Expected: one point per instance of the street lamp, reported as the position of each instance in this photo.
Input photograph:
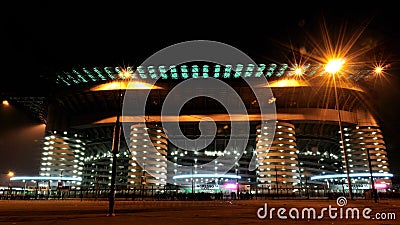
(10, 174)
(5, 103)
(124, 74)
(333, 67)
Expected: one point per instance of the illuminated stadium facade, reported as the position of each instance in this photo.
(305, 151)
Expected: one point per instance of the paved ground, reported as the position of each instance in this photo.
(73, 212)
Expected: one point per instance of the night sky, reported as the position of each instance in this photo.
(40, 38)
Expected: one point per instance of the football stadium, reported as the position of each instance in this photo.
(322, 136)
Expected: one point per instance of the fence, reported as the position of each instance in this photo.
(171, 194)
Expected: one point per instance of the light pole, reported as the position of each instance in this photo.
(116, 143)
(374, 191)
(61, 179)
(276, 181)
(237, 180)
(60, 186)
(10, 174)
(378, 71)
(332, 67)
(307, 190)
(193, 187)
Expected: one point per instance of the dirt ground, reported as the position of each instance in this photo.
(71, 212)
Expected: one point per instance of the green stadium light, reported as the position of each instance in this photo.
(152, 71)
(238, 70)
(184, 72)
(163, 72)
(142, 72)
(195, 71)
(109, 72)
(205, 71)
(260, 70)
(282, 70)
(217, 70)
(270, 70)
(249, 70)
(228, 69)
(174, 73)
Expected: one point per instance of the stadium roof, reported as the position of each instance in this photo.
(91, 76)
(184, 71)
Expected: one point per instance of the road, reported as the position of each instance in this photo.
(71, 212)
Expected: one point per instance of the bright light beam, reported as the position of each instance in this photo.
(334, 65)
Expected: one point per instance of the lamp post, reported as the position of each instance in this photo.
(276, 181)
(61, 178)
(378, 71)
(374, 191)
(332, 67)
(307, 190)
(237, 181)
(10, 174)
(116, 143)
(193, 186)
(60, 186)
